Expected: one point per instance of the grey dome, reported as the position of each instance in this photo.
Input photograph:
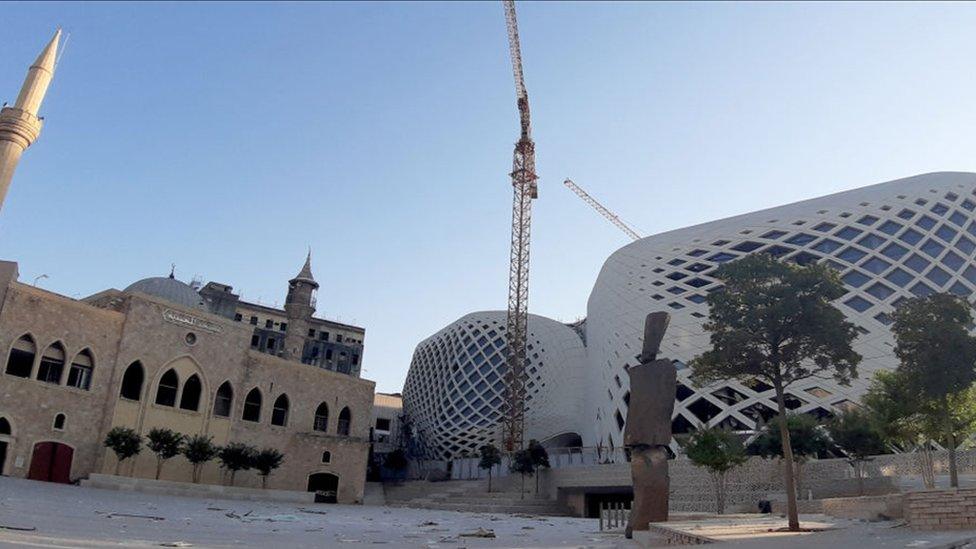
(170, 289)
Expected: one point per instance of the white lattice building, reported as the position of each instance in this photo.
(454, 390)
(890, 241)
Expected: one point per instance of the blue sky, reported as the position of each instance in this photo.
(227, 138)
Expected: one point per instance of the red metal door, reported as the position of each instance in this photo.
(51, 461)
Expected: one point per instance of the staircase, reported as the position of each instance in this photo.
(470, 496)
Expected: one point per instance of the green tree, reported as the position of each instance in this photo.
(396, 461)
(198, 450)
(166, 444)
(236, 457)
(125, 442)
(540, 459)
(775, 321)
(718, 450)
(938, 357)
(265, 461)
(490, 457)
(910, 423)
(808, 440)
(857, 435)
(521, 463)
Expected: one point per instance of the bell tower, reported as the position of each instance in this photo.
(20, 125)
(299, 307)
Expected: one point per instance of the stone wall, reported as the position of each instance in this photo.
(163, 336)
(952, 509)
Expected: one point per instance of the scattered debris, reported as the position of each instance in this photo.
(312, 511)
(528, 527)
(479, 533)
(18, 528)
(273, 518)
(427, 523)
(215, 509)
(134, 515)
(176, 544)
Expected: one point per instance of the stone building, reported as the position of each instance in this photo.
(161, 354)
(292, 333)
(387, 409)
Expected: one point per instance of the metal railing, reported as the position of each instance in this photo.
(614, 515)
(585, 456)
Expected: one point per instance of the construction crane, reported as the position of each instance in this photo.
(525, 189)
(601, 209)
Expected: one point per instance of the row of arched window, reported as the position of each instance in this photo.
(169, 393)
(23, 355)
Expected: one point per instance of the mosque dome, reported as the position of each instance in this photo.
(169, 289)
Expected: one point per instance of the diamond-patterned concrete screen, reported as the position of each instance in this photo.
(913, 236)
(454, 392)
(891, 241)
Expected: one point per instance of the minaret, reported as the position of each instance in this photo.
(299, 306)
(20, 125)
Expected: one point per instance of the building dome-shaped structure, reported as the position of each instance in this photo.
(169, 289)
(454, 391)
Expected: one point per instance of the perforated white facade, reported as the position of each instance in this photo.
(890, 241)
(454, 390)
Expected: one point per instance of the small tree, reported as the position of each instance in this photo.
(236, 457)
(166, 444)
(198, 450)
(540, 459)
(125, 442)
(938, 357)
(855, 433)
(808, 440)
(490, 457)
(265, 461)
(521, 463)
(396, 461)
(719, 451)
(776, 321)
(910, 423)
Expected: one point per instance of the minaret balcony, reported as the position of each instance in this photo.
(19, 126)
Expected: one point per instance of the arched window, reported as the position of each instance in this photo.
(59, 422)
(21, 361)
(132, 382)
(321, 418)
(279, 412)
(190, 399)
(345, 422)
(252, 406)
(166, 392)
(80, 373)
(52, 364)
(4, 426)
(326, 457)
(224, 400)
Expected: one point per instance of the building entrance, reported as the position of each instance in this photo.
(325, 486)
(51, 462)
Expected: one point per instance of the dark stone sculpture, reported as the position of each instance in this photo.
(648, 431)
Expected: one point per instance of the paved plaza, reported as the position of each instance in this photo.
(41, 514)
(72, 516)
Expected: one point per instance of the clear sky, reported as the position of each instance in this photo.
(227, 138)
